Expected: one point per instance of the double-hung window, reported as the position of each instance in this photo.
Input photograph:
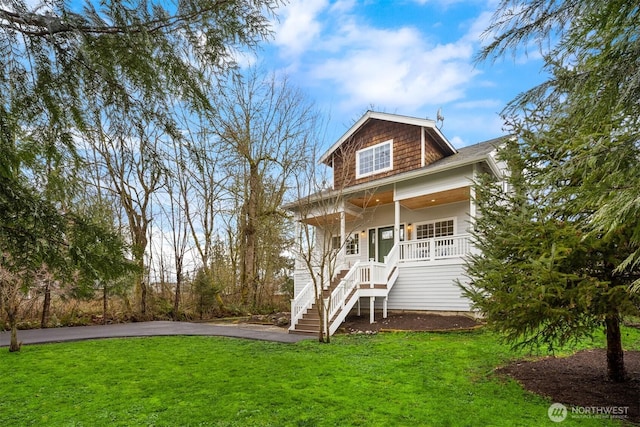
(374, 159)
(352, 244)
(435, 229)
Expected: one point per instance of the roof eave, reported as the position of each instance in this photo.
(487, 158)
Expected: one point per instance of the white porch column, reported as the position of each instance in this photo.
(472, 202)
(396, 226)
(343, 239)
(384, 307)
(298, 241)
(358, 307)
(372, 306)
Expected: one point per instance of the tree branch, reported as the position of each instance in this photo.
(39, 25)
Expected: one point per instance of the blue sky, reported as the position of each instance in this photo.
(407, 57)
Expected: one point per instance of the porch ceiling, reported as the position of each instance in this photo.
(376, 199)
(435, 199)
(324, 221)
(413, 203)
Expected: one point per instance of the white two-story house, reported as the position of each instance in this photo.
(403, 207)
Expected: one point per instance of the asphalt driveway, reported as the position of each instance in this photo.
(149, 329)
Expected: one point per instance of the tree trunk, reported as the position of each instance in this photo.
(139, 235)
(323, 336)
(250, 282)
(104, 303)
(14, 345)
(615, 354)
(176, 299)
(143, 298)
(46, 306)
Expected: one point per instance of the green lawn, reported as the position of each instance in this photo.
(398, 379)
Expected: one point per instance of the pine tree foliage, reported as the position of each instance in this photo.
(589, 106)
(561, 248)
(540, 277)
(73, 70)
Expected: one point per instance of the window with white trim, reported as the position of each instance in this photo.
(374, 159)
(353, 244)
(335, 243)
(435, 229)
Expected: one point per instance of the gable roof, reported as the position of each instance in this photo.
(428, 124)
(480, 152)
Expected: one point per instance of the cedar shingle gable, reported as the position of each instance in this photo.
(406, 150)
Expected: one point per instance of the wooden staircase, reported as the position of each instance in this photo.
(309, 324)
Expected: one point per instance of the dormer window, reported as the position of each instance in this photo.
(375, 159)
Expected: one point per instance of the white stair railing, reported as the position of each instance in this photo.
(338, 298)
(301, 303)
(305, 299)
(360, 276)
(391, 264)
(363, 275)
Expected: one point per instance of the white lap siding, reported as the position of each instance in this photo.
(432, 287)
(300, 280)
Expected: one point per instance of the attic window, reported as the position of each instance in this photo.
(374, 159)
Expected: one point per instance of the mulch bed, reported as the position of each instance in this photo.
(578, 381)
(408, 322)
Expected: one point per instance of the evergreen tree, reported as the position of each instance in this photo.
(541, 277)
(561, 248)
(74, 70)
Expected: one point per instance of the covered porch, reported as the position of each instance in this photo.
(426, 227)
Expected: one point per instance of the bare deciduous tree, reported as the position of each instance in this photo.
(265, 124)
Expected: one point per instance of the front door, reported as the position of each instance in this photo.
(385, 242)
(380, 242)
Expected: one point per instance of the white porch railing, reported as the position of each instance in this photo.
(435, 248)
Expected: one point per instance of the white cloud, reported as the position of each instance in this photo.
(394, 67)
(343, 6)
(299, 25)
(335, 51)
